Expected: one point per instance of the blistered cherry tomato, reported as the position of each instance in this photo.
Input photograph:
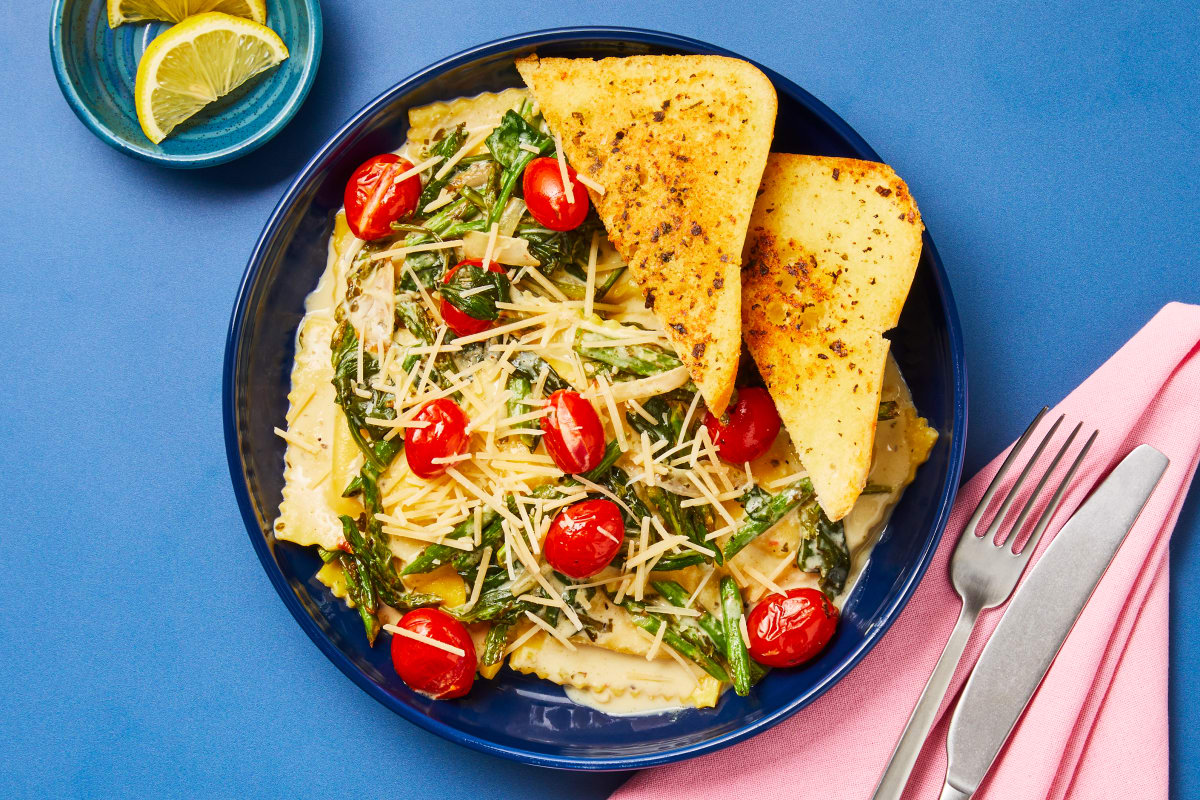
(430, 670)
(584, 537)
(373, 198)
(445, 435)
(574, 435)
(786, 630)
(462, 323)
(748, 428)
(546, 196)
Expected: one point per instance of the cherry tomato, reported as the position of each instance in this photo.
(462, 323)
(428, 669)
(748, 427)
(546, 196)
(445, 435)
(584, 537)
(786, 630)
(373, 198)
(574, 435)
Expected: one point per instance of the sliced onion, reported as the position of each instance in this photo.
(509, 250)
(649, 387)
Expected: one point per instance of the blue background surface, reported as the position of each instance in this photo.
(1055, 156)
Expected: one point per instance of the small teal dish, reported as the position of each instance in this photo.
(518, 716)
(96, 67)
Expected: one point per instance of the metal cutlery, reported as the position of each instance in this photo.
(984, 574)
(1037, 621)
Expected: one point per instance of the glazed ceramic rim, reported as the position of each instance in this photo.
(251, 143)
(273, 229)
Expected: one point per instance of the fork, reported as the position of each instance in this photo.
(984, 571)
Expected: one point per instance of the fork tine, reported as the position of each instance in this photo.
(1014, 532)
(1015, 490)
(994, 486)
(1044, 521)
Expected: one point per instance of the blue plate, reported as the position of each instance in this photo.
(516, 716)
(96, 67)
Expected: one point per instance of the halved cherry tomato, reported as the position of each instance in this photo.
(747, 429)
(373, 198)
(546, 196)
(462, 323)
(584, 537)
(574, 435)
(430, 670)
(786, 630)
(445, 435)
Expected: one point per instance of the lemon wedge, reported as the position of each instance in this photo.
(195, 63)
(122, 11)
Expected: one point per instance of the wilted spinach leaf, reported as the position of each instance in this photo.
(475, 292)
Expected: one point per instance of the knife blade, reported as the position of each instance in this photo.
(1039, 617)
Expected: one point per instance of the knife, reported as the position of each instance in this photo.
(1039, 617)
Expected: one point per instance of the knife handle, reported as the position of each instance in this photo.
(950, 793)
(920, 722)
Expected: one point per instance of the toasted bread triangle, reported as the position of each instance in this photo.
(830, 256)
(679, 144)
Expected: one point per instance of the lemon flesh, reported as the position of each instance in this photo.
(195, 63)
(122, 11)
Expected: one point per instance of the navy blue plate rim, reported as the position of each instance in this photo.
(258, 540)
(260, 137)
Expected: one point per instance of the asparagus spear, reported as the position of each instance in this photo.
(357, 410)
(435, 555)
(670, 563)
(763, 511)
(520, 387)
(651, 622)
(643, 360)
(736, 653)
(359, 584)
(682, 521)
(494, 643)
(677, 596)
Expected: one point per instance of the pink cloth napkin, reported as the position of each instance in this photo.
(1097, 727)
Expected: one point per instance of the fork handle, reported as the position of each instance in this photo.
(895, 777)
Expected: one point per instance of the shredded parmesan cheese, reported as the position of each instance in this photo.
(541, 623)
(397, 252)
(467, 147)
(443, 199)
(417, 170)
(658, 637)
(675, 610)
(589, 183)
(687, 418)
(590, 287)
(484, 561)
(568, 186)
(700, 586)
(766, 582)
(298, 440)
(418, 637)
(493, 232)
(522, 639)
